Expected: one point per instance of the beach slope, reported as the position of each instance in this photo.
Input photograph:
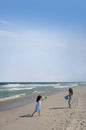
(55, 114)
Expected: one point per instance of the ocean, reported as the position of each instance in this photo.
(12, 90)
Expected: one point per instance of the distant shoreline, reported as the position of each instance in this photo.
(17, 102)
(26, 99)
(55, 113)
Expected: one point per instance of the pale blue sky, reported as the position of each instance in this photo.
(42, 40)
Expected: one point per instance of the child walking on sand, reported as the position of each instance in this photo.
(38, 105)
(70, 96)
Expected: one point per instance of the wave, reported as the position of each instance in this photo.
(66, 86)
(12, 89)
(25, 85)
(75, 85)
(12, 97)
(36, 92)
(15, 85)
(16, 89)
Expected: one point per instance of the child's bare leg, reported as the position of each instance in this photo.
(34, 112)
(69, 102)
(39, 113)
(69, 105)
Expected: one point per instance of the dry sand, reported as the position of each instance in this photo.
(55, 114)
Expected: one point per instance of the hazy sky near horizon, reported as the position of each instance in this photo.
(42, 40)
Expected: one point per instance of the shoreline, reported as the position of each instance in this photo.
(23, 100)
(55, 114)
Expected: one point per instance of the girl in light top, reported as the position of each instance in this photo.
(70, 96)
(38, 105)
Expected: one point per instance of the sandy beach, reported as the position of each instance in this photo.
(55, 114)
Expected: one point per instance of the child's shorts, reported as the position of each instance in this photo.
(38, 108)
(69, 101)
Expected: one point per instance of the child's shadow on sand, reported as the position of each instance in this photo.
(28, 115)
(58, 108)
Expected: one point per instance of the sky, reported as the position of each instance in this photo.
(42, 41)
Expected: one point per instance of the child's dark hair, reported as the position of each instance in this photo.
(71, 90)
(38, 98)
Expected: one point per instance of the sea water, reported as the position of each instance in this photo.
(11, 90)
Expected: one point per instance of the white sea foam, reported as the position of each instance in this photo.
(42, 85)
(74, 84)
(11, 85)
(28, 85)
(12, 97)
(65, 86)
(15, 89)
(35, 92)
(60, 86)
(16, 85)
